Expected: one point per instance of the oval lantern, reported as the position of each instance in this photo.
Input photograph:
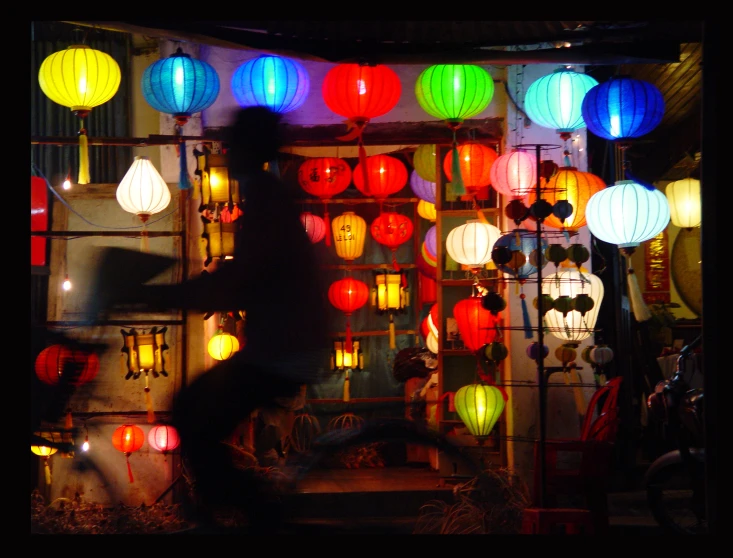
(471, 244)
(392, 229)
(424, 162)
(427, 211)
(349, 235)
(514, 174)
(324, 177)
(623, 108)
(476, 325)
(222, 346)
(128, 438)
(555, 101)
(142, 191)
(348, 295)
(281, 84)
(315, 227)
(61, 364)
(80, 78)
(475, 161)
(423, 189)
(387, 176)
(572, 326)
(479, 406)
(431, 241)
(163, 438)
(685, 208)
(601, 355)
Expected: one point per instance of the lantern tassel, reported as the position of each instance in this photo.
(525, 318)
(47, 471)
(183, 181)
(392, 344)
(83, 155)
(395, 265)
(129, 469)
(458, 187)
(149, 402)
(327, 223)
(638, 306)
(347, 387)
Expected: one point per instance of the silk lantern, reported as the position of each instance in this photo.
(475, 161)
(554, 101)
(219, 240)
(218, 189)
(514, 174)
(423, 189)
(360, 92)
(180, 85)
(281, 84)
(46, 452)
(324, 177)
(427, 211)
(144, 353)
(128, 438)
(390, 295)
(80, 78)
(39, 219)
(431, 241)
(392, 229)
(348, 295)
(477, 326)
(386, 176)
(59, 364)
(471, 244)
(222, 345)
(453, 93)
(579, 322)
(349, 235)
(314, 226)
(163, 438)
(623, 108)
(479, 406)
(685, 208)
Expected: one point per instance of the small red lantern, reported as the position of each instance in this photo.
(59, 363)
(475, 161)
(127, 439)
(392, 229)
(39, 219)
(324, 177)
(315, 227)
(477, 326)
(163, 438)
(386, 175)
(348, 295)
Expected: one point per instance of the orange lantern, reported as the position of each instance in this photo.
(392, 229)
(163, 438)
(348, 294)
(360, 92)
(127, 439)
(324, 177)
(71, 366)
(475, 160)
(385, 175)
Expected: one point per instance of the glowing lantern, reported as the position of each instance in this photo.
(514, 174)
(360, 92)
(386, 176)
(554, 101)
(424, 162)
(684, 203)
(144, 353)
(163, 438)
(348, 295)
(345, 360)
(426, 210)
(222, 346)
(218, 190)
(128, 438)
(60, 364)
(471, 244)
(218, 240)
(314, 226)
(423, 189)
(623, 108)
(431, 241)
(349, 235)
(45, 452)
(475, 161)
(390, 295)
(281, 84)
(479, 406)
(181, 86)
(584, 293)
(392, 229)
(324, 177)
(476, 325)
(80, 78)
(39, 219)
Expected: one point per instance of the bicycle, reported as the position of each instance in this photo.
(675, 481)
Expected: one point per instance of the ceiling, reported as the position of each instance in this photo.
(667, 54)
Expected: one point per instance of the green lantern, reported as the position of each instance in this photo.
(548, 303)
(578, 254)
(496, 351)
(424, 161)
(583, 303)
(479, 406)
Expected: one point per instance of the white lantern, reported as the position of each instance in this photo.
(471, 243)
(627, 213)
(143, 191)
(574, 326)
(684, 203)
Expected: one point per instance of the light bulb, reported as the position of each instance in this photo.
(85, 445)
(67, 184)
(67, 284)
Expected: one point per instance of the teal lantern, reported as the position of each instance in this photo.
(554, 101)
(278, 83)
(180, 85)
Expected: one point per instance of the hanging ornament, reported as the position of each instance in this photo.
(144, 353)
(493, 302)
(556, 253)
(163, 438)
(422, 188)
(496, 351)
(314, 226)
(387, 175)
(222, 345)
(514, 174)
(476, 325)
(424, 162)
(324, 177)
(578, 254)
(349, 235)
(685, 207)
(392, 229)
(533, 351)
(600, 356)
(278, 83)
(427, 211)
(128, 438)
(517, 211)
(479, 406)
(471, 244)
(45, 452)
(475, 163)
(59, 364)
(348, 295)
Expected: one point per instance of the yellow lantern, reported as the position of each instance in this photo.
(685, 209)
(349, 235)
(80, 78)
(144, 354)
(341, 359)
(390, 295)
(426, 210)
(218, 240)
(45, 452)
(217, 187)
(479, 406)
(222, 345)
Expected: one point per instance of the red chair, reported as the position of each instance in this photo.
(587, 474)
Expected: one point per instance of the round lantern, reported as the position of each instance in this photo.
(601, 355)
(128, 438)
(348, 295)
(427, 211)
(60, 364)
(314, 226)
(554, 101)
(685, 208)
(479, 406)
(426, 268)
(424, 162)
(471, 243)
(533, 351)
(349, 235)
(568, 323)
(163, 438)
(454, 92)
(475, 160)
(324, 177)
(432, 343)
(392, 230)
(423, 189)
(142, 191)
(623, 108)
(521, 247)
(45, 452)
(431, 241)
(80, 78)
(386, 176)
(514, 174)
(222, 346)
(476, 325)
(281, 84)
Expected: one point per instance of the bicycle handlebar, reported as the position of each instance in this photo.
(687, 349)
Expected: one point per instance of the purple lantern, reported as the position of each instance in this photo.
(423, 189)
(431, 241)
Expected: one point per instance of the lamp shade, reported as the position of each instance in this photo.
(454, 92)
(59, 363)
(361, 92)
(281, 84)
(514, 174)
(349, 235)
(684, 203)
(314, 226)
(180, 85)
(623, 108)
(577, 324)
(476, 325)
(163, 438)
(471, 243)
(627, 213)
(424, 162)
(479, 406)
(475, 161)
(554, 101)
(387, 175)
(422, 188)
(324, 177)
(222, 346)
(142, 191)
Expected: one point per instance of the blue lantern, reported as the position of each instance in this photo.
(180, 85)
(623, 108)
(554, 101)
(278, 83)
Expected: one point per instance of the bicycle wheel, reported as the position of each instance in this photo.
(676, 498)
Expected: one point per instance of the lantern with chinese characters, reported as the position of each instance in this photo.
(324, 177)
(514, 174)
(46, 452)
(479, 406)
(349, 235)
(477, 326)
(144, 353)
(390, 295)
(392, 229)
(471, 244)
(128, 438)
(346, 361)
(163, 438)
(584, 293)
(387, 176)
(80, 78)
(360, 92)
(279, 83)
(39, 219)
(348, 295)
(59, 364)
(422, 188)
(685, 209)
(314, 226)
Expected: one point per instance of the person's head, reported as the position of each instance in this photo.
(254, 138)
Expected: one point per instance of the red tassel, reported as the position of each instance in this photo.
(327, 222)
(395, 265)
(129, 470)
(348, 347)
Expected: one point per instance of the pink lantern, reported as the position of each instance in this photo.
(315, 226)
(163, 438)
(514, 174)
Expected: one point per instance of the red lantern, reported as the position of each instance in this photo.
(315, 227)
(475, 161)
(392, 229)
(348, 295)
(324, 177)
(60, 363)
(127, 439)
(426, 269)
(359, 93)
(163, 438)
(427, 289)
(477, 326)
(39, 219)
(386, 175)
